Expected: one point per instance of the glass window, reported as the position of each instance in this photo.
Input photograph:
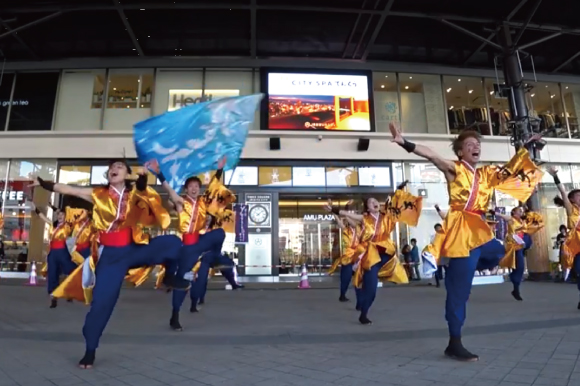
(98, 90)
(3, 174)
(99, 175)
(225, 83)
(422, 104)
(275, 176)
(5, 90)
(123, 91)
(19, 226)
(75, 175)
(572, 103)
(146, 91)
(466, 104)
(545, 103)
(499, 107)
(175, 89)
(386, 98)
(33, 101)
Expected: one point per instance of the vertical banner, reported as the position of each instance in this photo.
(241, 211)
(501, 226)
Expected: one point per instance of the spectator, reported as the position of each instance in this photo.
(415, 259)
(407, 258)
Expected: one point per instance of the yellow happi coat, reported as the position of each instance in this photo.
(376, 239)
(571, 246)
(59, 233)
(351, 247)
(465, 227)
(133, 209)
(516, 228)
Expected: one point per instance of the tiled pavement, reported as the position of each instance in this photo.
(293, 337)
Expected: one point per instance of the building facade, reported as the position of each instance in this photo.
(64, 121)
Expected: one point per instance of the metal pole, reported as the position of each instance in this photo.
(537, 259)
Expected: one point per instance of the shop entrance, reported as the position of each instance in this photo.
(308, 234)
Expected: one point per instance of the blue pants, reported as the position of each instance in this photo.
(86, 252)
(517, 274)
(358, 292)
(210, 245)
(111, 269)
(59, 263)
(577, 269)
(345, 278)
(198, 290)
(370, 283)
(459, 279)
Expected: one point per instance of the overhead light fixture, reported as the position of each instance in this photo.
(134, 49)
(142, 9)
(451, 108)
(551, 96)
(406, 87)
(410, 77)
(449, 89)
(533, 95)
(386, 76)
(546, 86)
(491, 93)
(382, 86)
(566, 87)
(459, 80)
(470, 91)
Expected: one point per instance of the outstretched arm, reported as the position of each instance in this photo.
(567, 204)
(40, 215)
(175, 199)
(69, 190)
(446, 166)
(357, 218)
(338, 222)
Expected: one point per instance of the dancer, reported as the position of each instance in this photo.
(194, 211)
(466, 232)
(120, 210)
(377, 258)
(58, 261)
(571, 247)
(431, 249)
(352, 232)
(521, 225)
(83, 232)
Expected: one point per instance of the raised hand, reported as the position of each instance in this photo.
(552, 170)
(396, 133)
(34, 183)
(222, 163)
(328, 206)
(153, 166)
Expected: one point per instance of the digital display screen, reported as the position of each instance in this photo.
(374, 176)
(318, 102)
(308, 176)
(242, 175)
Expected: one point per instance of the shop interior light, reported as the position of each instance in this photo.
(470, 91)
(386, 76)
(449, 89)
(551, 96)
(566, 87)
(382, 86)
(406, 87)
(114, 88)
(546, 86)
(459, 80)
(533, 95)
(410, 77)
(451, 108)
(491, 93)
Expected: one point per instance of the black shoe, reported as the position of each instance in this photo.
(579, 305)
(193, 309)
(364, 320)
(456, 350)
(88, 360)
(174, 322)
(238, 286)
(343, 299)
(53, 303)
(516, 295)
(358, 308)
(201, 302)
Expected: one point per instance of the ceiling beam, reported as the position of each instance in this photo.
(4, 24)
(469, 33)
(353, 31)
(538, 41)
(31, 24)
(528, 20)
(566, 62)
(364, 33)
(377, 30)
(128, 28)
(492, 35)
(253, 29)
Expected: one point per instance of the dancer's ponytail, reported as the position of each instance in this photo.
(558, 201)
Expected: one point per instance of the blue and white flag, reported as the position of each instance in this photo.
(194, 139)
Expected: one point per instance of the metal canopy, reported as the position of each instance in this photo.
(450, 33)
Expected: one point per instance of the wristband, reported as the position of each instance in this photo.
(47, 185)
(556, 179)
(161, 177)
(409, 146)
(336, 210)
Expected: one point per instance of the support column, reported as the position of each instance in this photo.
(537, 258)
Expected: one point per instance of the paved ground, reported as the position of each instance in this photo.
(292, 337)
